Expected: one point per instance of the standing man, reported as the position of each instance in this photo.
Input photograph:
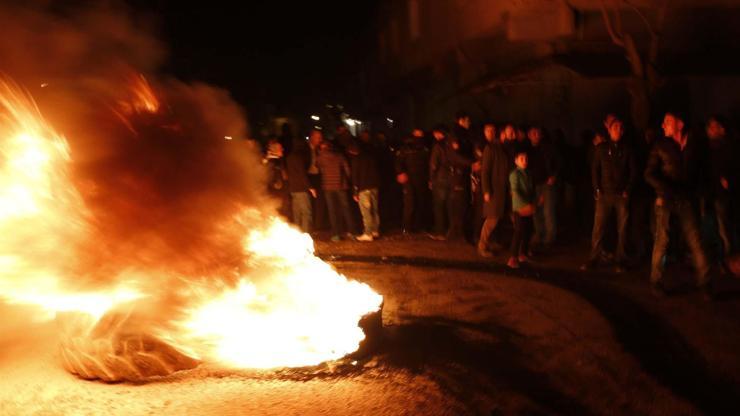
(494, 174)
(299, 186)
(722, 182)
(365, 182)
(335, 176)
(439, 181)
(672, 170)
(412, 172)
(613, 176)
(544, 164)
(315, 139)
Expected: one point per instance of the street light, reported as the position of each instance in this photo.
(315, 117)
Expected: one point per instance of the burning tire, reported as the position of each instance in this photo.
(112, 350)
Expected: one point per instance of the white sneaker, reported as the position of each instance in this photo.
(365, 237)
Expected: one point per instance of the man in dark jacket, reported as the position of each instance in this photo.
(460, 167)
(722, 181)
(544, 164)
(673, 169)
(613, 175)
(494, 175)
(365, 182)
(439, 181)
(412, 172)
(299, 186)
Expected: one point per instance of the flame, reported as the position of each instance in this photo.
(288, 308)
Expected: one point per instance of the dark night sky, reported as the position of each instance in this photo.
(287, 54)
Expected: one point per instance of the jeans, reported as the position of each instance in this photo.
(522, 234)
(604, 207)
(684, 212)
(440, 195)
(301, 203)
(720, 225)
(545, 221)
(336, 203)
(368, 201)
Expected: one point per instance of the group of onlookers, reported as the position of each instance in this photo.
(471, 183)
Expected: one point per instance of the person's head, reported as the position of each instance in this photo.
(489, 132)
(519, 134)
(365, 136)
(616, 130)
(463, 119)
(715, 128)
(315, 138)
(508, 133)
(673, 125)
(535, 135)
(521, 159)
(417, 133)
(609, 119)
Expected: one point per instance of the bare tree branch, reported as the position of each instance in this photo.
(607, 21)
(642, 16)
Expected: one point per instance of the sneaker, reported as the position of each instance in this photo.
(513, 263)
(483, 252)
(365, 237)
(376, 234)
(335, 238)
(350, 237)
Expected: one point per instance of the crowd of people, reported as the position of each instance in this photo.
(462, 184)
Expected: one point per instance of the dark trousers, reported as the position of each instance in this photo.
(456, 205)
(717, 218)
(641, 225)
(414, 204)
(684, 213)
(604, 207)
(337, 204)
(522, 234)
(440, 195)
(489, 225)
(318, 204)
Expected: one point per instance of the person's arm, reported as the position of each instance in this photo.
(486, 169)
(596, 171)
(653, 175)
(632, 172)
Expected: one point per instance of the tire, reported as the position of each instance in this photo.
(114, 350)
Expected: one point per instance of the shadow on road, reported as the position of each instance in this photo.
(659, 348)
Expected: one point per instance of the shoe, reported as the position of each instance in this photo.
(350, 237)
(513, 263)
(375, 234)
(589, 265)
(524, 259)
(483, 252)
(335, 238)
(658, 290)
(364, 237)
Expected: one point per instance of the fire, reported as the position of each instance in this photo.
(300, 312)
(287, 308)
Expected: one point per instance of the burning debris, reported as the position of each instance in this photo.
(149, 237)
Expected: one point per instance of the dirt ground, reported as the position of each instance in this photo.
(462, 335)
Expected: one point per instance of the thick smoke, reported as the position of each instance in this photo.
(163, 188)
